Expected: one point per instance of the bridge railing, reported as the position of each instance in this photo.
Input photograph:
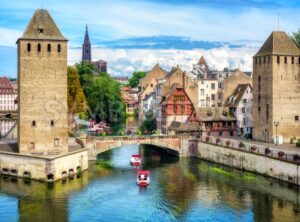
(271, 152)
(142, 137)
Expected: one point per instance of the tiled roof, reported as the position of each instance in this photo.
(214, 114)
(234, 99)
(5, 86)
(279, 43)
(42, 26)
(184, 127)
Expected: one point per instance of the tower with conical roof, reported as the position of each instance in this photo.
(86, 47)
(42, 82)
(276, 89)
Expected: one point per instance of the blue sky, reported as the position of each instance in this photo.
(158, 25)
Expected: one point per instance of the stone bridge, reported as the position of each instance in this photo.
(97, 145)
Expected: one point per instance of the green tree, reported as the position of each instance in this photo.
(134, 80)
(149, 123)
(76, 99)
(102, 93)
(296, 37)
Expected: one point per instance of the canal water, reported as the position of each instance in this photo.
(180, 190)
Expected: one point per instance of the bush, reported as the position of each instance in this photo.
(241, 145)
(281, 154)
(296, 157)
(228, 142)
(267, 151)
(253, 148)
(207, 139)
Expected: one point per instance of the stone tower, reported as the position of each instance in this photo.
(42, 75)
(276, 89)
(86, 47)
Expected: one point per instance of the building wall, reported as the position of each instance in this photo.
(278, 91)
(208, 93)
(7, 102)
(231, 83)
(244, 118)
(42, 97)
(41, 167)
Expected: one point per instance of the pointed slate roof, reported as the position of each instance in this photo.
(86, 37)
(42, 26)
(202, 61)
(279, 43)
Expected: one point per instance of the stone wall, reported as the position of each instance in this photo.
(272, 167)
(39, 167)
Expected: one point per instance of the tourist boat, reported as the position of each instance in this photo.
(143, 178)
(135, 159)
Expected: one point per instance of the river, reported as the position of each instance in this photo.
(184, 189)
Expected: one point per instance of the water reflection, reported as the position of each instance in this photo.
(180, 190)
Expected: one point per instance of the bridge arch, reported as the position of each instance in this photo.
(98, 145)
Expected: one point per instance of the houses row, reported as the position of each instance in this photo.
(265, 104)
(186, 102)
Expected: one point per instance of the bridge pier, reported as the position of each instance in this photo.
(184, 148)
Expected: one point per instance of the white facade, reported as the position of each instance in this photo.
(207, 92)
(7, 102)
(244, 113)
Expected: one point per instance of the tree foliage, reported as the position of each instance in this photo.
(102, 93)
(76, 99)
(134, 80)
(149, 123)
(296, 37)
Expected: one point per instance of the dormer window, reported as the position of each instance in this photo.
(40, 30)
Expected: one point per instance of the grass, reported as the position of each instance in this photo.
(244, 176)
(190, 176)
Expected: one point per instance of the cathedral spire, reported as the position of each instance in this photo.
(86, 47)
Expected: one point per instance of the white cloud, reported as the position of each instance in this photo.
(122, 62)
(9, 36)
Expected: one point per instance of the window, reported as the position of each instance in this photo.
(40, 30)
(244, 121)
(212, 86)
(259, 78)
(49, 48)
(212, 96)
(244, 100)
(285, 60)
(258, 108)
(278, 59)
(28, 47)
(293, 60)
(220, 85)
(56, 142)
(39, 47)
(267, 113)
(243, 110)
(259, 98)
(32, 145)
(175, 109)
(52, 123)
(297, 118)
(219, 95)
(183, 109)
(202, 92)
(33, 124)
(264, 59)
(58, 48)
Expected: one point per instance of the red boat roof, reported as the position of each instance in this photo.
(136, 155)
(143, 172)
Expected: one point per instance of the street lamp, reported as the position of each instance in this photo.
(276, 123)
